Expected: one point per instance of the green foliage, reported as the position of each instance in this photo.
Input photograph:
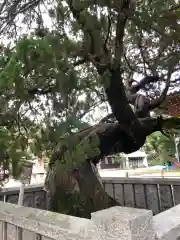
(77, 152)
(37, 82)
(159, 148)
(13, 151)
(157, 161)
(119, 158)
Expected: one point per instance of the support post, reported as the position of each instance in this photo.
(21, 194)
(177, 141)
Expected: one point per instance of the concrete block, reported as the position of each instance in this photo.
(167, 224)
(124, 224)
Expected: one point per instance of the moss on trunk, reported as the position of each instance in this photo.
(78, 192)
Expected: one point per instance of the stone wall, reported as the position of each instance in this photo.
(34, 196)
(122, 223)
(156, 194)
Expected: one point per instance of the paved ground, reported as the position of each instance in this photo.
(143, 173)
(138, 173)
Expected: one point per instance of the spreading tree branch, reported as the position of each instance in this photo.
(157, 102)
(9, 12)
(115, 138)
(29, 5)
(91, 54)
(120, 28)
(108, 118)
(177, 80)
(131, 68)
(108, 34)
(141, 85)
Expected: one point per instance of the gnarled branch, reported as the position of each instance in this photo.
(157, 102)
(141, 85)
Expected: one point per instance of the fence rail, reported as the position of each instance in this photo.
(34, 196)
(156, 194)
(24, 223)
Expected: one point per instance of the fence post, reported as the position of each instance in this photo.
(123, 223)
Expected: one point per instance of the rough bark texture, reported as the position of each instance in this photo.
(78, 192)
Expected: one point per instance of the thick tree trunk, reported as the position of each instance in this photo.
(78, 192)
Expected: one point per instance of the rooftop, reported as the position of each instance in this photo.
(171, 105)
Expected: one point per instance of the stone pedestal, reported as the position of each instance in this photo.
(124, 224)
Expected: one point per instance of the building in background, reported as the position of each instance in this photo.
(137, 159)
(38, 171)
(110, 162)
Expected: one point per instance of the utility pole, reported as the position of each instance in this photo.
(177, 141)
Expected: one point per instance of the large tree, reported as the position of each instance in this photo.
(75, 56)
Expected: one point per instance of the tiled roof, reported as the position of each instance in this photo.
(171, 105)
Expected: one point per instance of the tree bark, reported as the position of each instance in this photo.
(78, 191)
(119, 102)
